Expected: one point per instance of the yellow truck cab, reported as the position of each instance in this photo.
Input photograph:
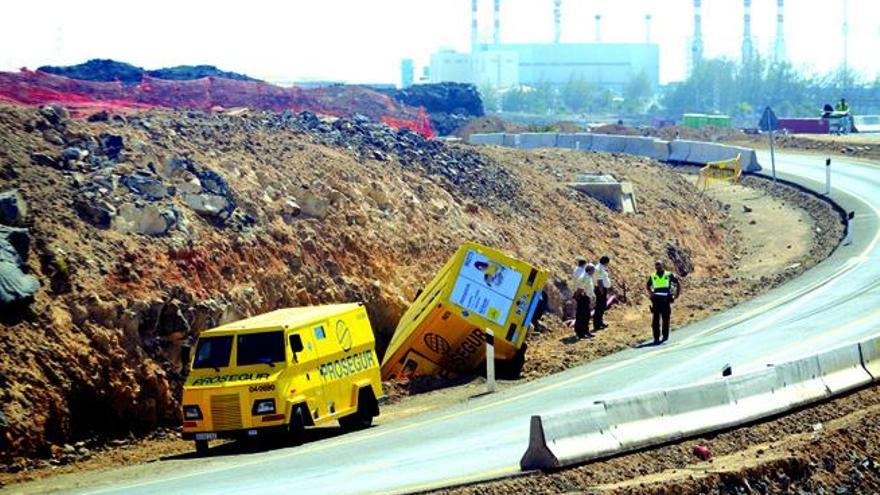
(280, 372)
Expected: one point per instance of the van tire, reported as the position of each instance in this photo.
(202, 447)
(297, 427)
(367, 408)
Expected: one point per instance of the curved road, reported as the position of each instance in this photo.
(837, 302)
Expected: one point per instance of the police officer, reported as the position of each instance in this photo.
(659, 287)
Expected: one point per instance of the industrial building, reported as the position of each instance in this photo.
(503, 65)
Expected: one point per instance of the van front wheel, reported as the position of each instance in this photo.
(363, 417)
(201, 447)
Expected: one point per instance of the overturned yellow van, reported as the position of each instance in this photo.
(443, 331)
(280, 372)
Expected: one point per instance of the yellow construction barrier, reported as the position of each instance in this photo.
(728, 171)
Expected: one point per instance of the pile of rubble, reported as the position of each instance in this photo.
(451, 105)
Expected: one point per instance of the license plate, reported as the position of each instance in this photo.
(206, 436)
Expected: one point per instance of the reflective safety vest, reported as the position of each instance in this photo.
(661, 283)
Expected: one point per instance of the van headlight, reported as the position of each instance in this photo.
(263, 406)
(192, 412)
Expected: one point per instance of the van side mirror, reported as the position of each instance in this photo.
(185, 355)
(296, 345)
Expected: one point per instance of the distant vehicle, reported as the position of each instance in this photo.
(443, 331)
(280, 372)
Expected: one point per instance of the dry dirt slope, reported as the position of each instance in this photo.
(97, 351)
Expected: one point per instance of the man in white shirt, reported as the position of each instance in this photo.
(603, 285)
(582, 283)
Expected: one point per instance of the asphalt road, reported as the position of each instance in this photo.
(835, 303)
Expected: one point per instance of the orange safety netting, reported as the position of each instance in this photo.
(84, 97)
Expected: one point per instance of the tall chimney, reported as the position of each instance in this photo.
(845, 45)
(598, 25)
(557, 20)
(779, 49)
(647, 28)
(748, 51)
(496, 32)
(475, 32)
(697, 43)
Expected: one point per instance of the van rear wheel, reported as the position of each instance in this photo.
(201, 447)
(368, 407)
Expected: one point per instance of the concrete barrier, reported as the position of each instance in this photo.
(640, 420)
(569, 438)
(496, 139)
(700, 408)
(650, 418)
(754, 394)
(748, 157)
(511, 140)
(870, 351)
(639, 146)
(580, 140)
(802, 381)
(679, 151)
(867, 123)
(841, 369)
(703, 153)
(608, 143)
(533, 140)
(661, 150)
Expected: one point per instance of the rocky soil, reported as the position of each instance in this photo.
(146, 229)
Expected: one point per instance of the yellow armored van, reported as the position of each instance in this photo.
(280, 372)
(443, 331)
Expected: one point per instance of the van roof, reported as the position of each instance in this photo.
(290, 317)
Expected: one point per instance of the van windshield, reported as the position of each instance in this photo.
(260, 348)
(213, 352)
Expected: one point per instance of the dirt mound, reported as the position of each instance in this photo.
(110, 70)
(451, 105)
(488, 124)
(86, 98)
(149, 228)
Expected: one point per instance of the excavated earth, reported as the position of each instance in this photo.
(174, 222)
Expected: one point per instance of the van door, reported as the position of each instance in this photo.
(306, 378)
(332, 348)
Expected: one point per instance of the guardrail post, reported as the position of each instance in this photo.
(828, 176)
(772, 154)
(490, 361)
(848, 238)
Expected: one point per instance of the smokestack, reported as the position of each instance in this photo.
(748, 51)
(779, 49)
(496, 32)
(697, 44)
(845, 45)
(557, 20)
(598, 25)
(475, 32)
(647, 28)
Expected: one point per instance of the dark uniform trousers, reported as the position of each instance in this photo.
(662, 309)
(582, 315)
(601, 306)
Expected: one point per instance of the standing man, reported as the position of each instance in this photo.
(582, 282)
(662, 296)
(603, 285)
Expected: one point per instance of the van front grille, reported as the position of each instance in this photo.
(226, 412)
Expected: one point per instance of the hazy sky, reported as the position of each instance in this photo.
(364, 40)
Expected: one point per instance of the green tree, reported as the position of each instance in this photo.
(637, 93)
(578, 95)
(491, 98)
